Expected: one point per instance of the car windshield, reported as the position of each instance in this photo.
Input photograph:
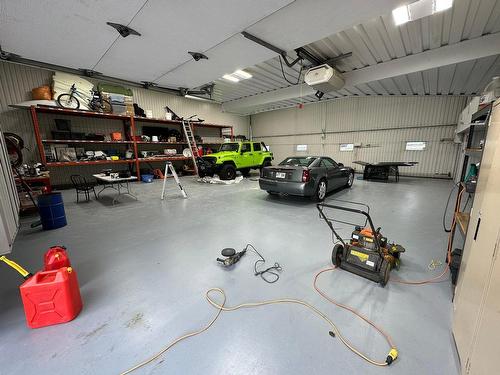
(299, 161)
(229, 147)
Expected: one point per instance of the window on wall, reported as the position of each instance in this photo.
(415, 146)
(347, 147)
(301, 148)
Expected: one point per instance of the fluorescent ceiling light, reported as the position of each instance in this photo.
(230, 77)
(401, 15)
(199, 98)
(242, 74)
(237, 76)
(440, 5)
(419, 9)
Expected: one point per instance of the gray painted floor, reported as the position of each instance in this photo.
(144, 267)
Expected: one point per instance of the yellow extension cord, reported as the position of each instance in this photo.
(222, 307)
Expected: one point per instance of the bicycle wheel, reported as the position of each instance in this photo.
(106, 106)
(68, 101)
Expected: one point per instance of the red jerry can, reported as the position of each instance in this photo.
(51, 297)
(55, 258)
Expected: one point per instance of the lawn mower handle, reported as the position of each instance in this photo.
(320, 206)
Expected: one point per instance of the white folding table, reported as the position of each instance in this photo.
(121, 185)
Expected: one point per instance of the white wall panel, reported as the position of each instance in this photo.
(382, 124)
(16, 82)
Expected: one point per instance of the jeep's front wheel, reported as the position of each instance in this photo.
(227, 172)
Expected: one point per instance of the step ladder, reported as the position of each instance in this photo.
(188, 134)
(170, 167)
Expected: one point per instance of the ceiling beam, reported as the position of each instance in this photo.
(484, 46)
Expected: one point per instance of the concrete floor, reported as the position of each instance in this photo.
(144, 267)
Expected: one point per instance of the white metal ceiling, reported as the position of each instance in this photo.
(73, 33)
(378, 41)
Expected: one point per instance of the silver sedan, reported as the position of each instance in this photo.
(306, 176)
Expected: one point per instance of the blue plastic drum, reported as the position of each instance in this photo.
(51, 209)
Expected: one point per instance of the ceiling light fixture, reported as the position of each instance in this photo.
(419, 9)
(401, 15)
(230, 77)
(237, 76)
(194, 97)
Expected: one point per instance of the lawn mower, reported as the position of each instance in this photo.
(367, 253)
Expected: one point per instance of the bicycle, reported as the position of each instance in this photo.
(70, 101)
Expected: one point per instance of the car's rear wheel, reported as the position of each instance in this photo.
(227, 172)
(245, 172)
(321, 190)
(350, 180)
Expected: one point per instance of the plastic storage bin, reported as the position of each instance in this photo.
(51, 297)
(147, 178)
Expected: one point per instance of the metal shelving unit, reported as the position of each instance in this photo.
(130, 129)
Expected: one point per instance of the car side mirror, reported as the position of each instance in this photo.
(340, 165)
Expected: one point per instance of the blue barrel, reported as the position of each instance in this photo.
(51, 209)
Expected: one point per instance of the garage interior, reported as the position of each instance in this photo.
(234, 187)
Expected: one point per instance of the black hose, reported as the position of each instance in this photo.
(446, 209)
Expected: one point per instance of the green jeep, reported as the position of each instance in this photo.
(232, 157)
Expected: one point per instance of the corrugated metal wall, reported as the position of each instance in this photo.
(382, 124)
(16, 82)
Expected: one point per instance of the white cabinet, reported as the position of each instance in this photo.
(9, 202)
(476, 318)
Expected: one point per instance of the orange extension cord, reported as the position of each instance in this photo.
(439, 277)
(221, 307)
(350, 309)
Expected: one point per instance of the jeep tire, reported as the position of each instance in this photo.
(227, 172)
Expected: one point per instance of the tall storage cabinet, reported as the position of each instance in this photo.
(476, 319)
(9, 202)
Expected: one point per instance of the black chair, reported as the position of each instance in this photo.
(82, 187)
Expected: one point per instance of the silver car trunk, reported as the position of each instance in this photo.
(284, 173)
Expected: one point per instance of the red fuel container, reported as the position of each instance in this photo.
(55, 258)
(51, 297)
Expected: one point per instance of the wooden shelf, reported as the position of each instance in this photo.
(473, 150)
(93, 162)
(128, 122)
(163, 158)
(84, 141)
(177, 122)
(78, 112)
(462, 219)
(160, 143)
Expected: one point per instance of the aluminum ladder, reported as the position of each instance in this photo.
(188, 134)
(170, 167)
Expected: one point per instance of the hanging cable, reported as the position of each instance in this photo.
(284, 75)
(446, 208)
(439, 277)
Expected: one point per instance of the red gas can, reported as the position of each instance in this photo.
(51, 297)
(55, 258)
